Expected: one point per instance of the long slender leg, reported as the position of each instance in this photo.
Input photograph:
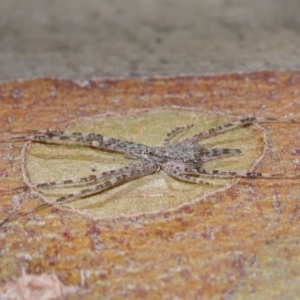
(88, 179)
(170, 135)
(213, 153)
(119, 177)
(239, 123)
(243, 174)
(90, 139)
(177, 171)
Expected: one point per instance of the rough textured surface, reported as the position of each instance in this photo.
(210, 249)
(156, 192)
(35, 287)
(240, 244)
(85, 39)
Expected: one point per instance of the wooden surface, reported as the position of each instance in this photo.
(238, 242)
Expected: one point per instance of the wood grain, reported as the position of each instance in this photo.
(208, 249)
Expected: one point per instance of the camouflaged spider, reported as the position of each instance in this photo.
(183, 160)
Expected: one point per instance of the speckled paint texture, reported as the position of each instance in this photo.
(205, 249)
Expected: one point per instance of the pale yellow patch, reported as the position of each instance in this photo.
(158, 192)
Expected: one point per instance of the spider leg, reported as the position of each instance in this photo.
(239, 123)
(177, 171)
(120, 177)
(213, 153)
(170, 135)
(74, 181)
(90, 139)
(242, 174)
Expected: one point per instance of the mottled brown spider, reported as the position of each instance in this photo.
(183, 160)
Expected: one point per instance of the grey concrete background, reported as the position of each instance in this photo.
(117, 38)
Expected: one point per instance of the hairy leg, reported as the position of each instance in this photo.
(170, 135)
(89, 139)
(119, 177)
(177, 171)
(213, 153)
(242, 174)
(239, 123)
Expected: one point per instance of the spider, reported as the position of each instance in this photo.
(183, 160)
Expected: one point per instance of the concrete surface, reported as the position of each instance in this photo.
(115, 38)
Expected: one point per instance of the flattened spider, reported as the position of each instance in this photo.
(183, 160)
